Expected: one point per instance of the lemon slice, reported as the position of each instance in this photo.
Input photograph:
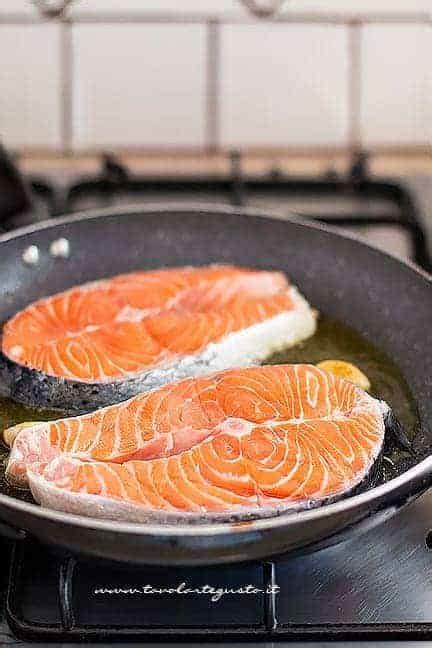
(347, 371)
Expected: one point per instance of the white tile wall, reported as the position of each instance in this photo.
(139, 85)
(361, 6)
(84, 6)
(284, 85)
(145, 86)
(215, 6)
(16, 6)
(183, 6)
(397, 84)
(29, 86)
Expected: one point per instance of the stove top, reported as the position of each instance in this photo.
(373, 586)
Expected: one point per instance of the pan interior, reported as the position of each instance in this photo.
(383, 299)
(333, 340)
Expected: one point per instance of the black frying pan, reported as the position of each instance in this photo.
(386, 300)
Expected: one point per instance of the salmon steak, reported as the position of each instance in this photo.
(237, 444)
(103, 342)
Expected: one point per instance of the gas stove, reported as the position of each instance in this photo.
(376, 586)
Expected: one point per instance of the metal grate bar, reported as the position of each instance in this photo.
(66, 593)
(271, 621)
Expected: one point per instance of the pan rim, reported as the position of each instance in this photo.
(419, 471)
(216, 209)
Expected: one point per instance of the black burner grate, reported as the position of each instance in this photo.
(361, 193)
(56, 597)
(365, 201)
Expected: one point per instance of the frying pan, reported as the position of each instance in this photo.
(387, 301)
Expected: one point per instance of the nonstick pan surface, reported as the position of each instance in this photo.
(385, 300)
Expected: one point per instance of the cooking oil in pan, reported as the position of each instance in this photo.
(332, 341)
(12, 413)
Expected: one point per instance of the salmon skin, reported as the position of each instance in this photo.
(103, 342)
(238, 444)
